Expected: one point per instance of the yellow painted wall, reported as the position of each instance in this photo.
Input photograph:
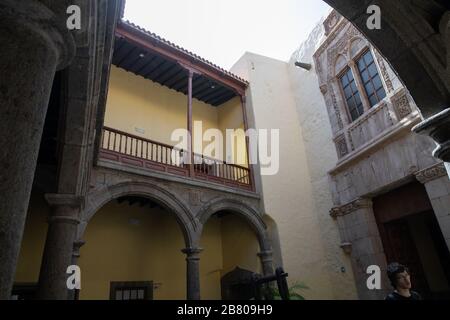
(134, 102)
(231, 117)
(33, 240)
(137, 103)
(133, 243)
(228, 242)
(239, 245)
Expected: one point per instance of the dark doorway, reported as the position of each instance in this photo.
(411, 236)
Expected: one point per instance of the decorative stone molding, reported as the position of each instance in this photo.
(66, 200)
(431, 173)
(324, 88)
(341, 146)
(401, 104)
(356, 204)
(331, 21)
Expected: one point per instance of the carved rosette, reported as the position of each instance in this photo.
(431, 173)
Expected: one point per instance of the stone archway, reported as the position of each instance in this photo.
(242, 238)
(186, 220)
(242, 209)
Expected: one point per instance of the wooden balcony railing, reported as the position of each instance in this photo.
(136, 151)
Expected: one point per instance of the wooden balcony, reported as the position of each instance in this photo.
(122, 147)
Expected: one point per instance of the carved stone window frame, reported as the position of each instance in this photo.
(352, 65)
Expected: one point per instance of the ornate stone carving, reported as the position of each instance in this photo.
(401, 105)
(324, 88)
(341, 146)
(431, 173)
(336, 109)
(356, 204)
(331, 21)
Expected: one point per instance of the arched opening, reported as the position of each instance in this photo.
(133, 251)
(230, 245)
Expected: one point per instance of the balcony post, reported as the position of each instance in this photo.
(189, 124)
(247, 141)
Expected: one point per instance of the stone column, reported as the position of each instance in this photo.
(266, 262)
(193, 272)
(34, 45)
(437, 185)
(59, 247)
(361, 239)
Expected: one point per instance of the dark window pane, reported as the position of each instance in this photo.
(361, 65)
(353, 85)
(350, 75)
(365, 76)
(119, 295)
(373, 100)
(368, 57)
(351, 104)
(377, 82)
(141, 294)
(369, 89)
(373, 70)
(381, 93)
(358, 99)
(360, 109)
(354, 115)
(133, 295)
(348, 92)
(344, 80)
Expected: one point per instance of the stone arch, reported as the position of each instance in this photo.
(356, 45)
(245, 211)
(340, 62)
(186, 220)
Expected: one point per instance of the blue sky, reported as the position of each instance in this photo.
(223, 30)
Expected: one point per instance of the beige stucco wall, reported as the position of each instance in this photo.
(298, 197)
(288, 195)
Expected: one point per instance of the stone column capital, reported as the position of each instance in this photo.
(265, 255)
(192, 253)
(43, 23)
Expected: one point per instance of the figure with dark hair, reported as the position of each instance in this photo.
(400, 279)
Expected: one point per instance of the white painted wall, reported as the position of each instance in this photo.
(297, 198)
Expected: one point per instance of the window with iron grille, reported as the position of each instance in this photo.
(351, 94)
(371, 78)
(131, 290)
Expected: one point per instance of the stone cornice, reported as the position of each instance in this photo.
(66, 200)
(356, 204)
(431, 173)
